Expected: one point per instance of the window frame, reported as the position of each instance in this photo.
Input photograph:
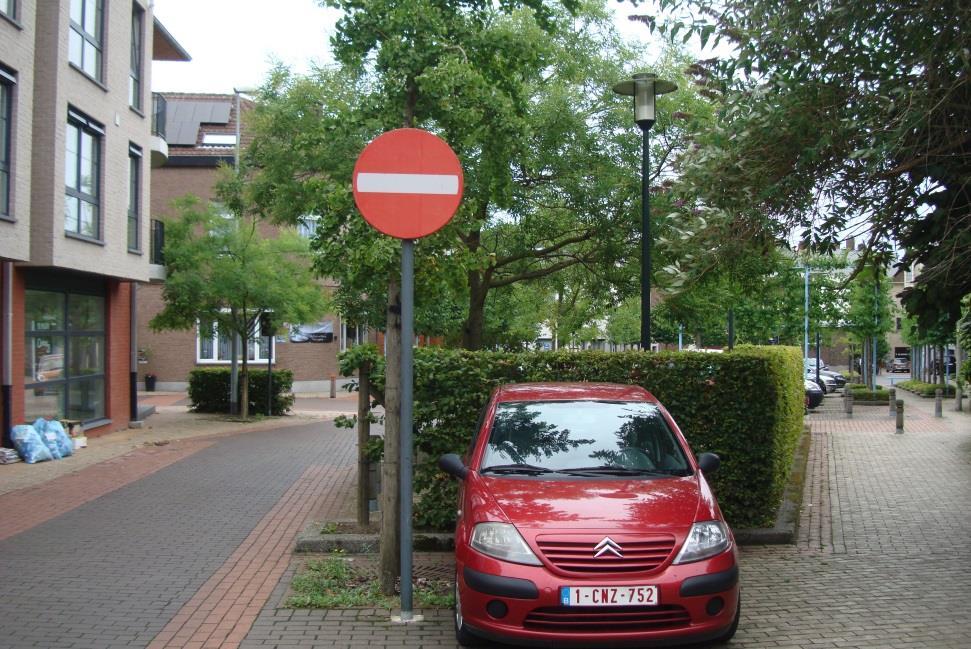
(95, 40)
(136, 65)
(68, 334)
(85, 126)
(134, 221)
(8, 82)
(12, 13)
(258, 357)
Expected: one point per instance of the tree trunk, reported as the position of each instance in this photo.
(390, 494)
(474, 325)
(942, 363)
(363, 434)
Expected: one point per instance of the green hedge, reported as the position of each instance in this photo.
(925, 389)
(861, 393)
(746, 406)
(209, 390)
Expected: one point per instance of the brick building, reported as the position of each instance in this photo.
(201, 131)
(76, 138)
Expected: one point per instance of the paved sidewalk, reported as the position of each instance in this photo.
(880, 562)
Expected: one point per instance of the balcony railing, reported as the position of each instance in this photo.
(158, 115)
(157, 243)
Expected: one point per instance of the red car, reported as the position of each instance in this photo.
(585, 520)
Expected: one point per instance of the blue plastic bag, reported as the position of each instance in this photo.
(49, 438)
(29, 445)
(64, 442)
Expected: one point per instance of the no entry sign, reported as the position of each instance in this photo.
(407, 183)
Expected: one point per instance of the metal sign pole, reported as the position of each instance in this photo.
(407, 380)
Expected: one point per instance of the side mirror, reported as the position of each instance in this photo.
(451, 464)
(709, 462)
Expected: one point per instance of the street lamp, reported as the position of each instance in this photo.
(644, 88)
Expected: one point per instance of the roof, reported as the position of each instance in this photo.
(165, 47)
(553, 391)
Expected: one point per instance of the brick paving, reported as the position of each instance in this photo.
(188, 545)
(117, 570)
(881, 559)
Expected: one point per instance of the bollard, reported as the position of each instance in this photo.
(333, 386)
(900, 416)
(938, 402)
(893, 401)
(849, 406)
(958, 398)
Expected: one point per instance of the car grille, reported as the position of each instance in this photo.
(578, 619)
(575, 553)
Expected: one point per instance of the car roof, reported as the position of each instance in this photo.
(556, 391)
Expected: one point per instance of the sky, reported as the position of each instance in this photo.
(233, 43)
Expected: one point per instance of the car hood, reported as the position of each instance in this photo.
(659, 504)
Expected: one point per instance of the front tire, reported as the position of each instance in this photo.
(463, 636)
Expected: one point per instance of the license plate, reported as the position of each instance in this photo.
(608, 595)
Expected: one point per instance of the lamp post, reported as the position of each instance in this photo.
(644, 88)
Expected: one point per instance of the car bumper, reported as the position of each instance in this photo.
(696, 602)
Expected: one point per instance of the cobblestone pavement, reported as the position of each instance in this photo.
(188, 544)
(881, 560)
(172, 553)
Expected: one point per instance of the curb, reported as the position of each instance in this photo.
(312, 540)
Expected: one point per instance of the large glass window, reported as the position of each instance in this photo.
(134, 197)
(7, 80)
(82, 176)
(64, 363)
(590, 437)
(85, 37)
(135, 71)
(214, 346)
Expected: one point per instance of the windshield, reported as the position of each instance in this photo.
(543, 436)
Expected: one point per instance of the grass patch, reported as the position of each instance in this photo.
(336, 582)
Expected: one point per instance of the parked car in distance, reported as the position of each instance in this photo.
(811, 363)
(900, 364)
(814, 394)
(585, 520)
(838, 379)
(827, 383)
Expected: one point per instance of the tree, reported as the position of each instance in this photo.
(868, 318)
(221, 270)
(843, 115)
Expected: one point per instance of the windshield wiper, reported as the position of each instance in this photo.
(516, 468)
(619, 470)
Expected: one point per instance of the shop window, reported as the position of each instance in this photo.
(64, 360)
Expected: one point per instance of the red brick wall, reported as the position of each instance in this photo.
(117, 357)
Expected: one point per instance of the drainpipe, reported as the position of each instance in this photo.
(6, 390)
(133, 361)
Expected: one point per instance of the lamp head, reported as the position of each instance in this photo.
(644, 87)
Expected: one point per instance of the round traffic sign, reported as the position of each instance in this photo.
(407, 183)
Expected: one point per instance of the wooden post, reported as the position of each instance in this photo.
(333, 386)
(849, 406)
(900, 416)
(938, 402)
(893, 401)
(363, 434)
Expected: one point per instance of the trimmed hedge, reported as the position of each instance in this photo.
(862, 394)
(746, 406)
(209, 390)
(925, 389)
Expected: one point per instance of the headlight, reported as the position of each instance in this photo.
(503, 541)
(705, 540)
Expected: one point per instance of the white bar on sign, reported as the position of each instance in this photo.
(369, 183)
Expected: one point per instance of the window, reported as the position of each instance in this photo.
(307, 226)
(134, 197)
(84, 40)
(135, 71)
(7, 80)
(218, 139)
(213, 346)
(64, 368)
(9, 8)
(82, 176)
